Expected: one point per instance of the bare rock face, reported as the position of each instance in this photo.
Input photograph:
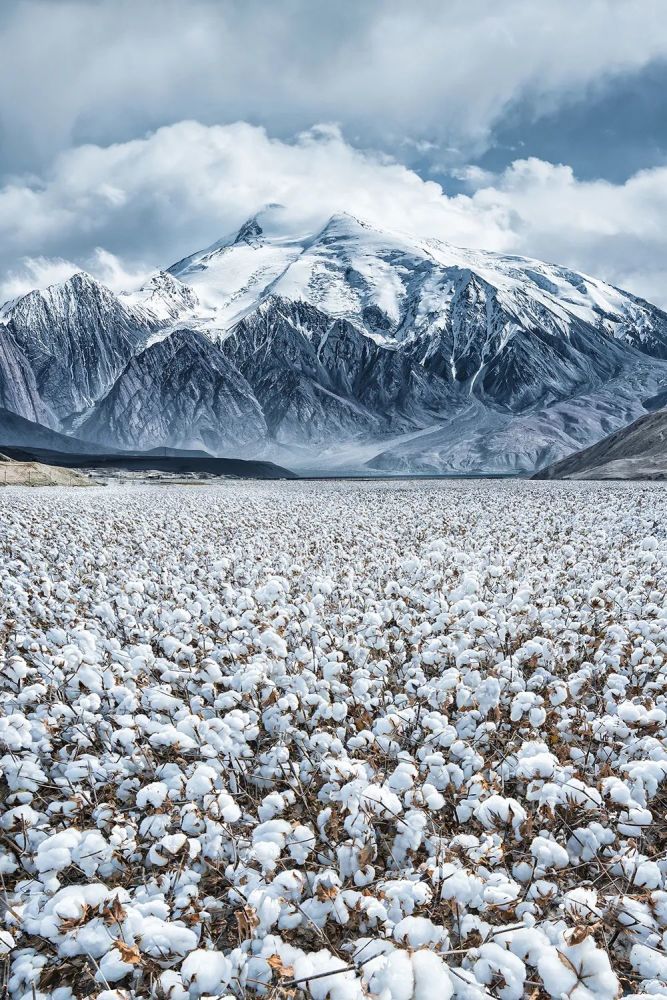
(418, 355)
(635, 452)
(183, 390)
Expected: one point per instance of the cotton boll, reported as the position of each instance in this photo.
(112, 967)
(15, 733)
(92, 852)
(431, 977)
(494, 962)
(172, 986)
(200, 782)
(548, 853)
(392, 976)
(271, 642)
(206, 972)
(300, 842)
(648, 962)
(154, 794)
(418, 932)
(497, 811)
(582, 904)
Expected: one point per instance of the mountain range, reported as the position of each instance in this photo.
(347, 347)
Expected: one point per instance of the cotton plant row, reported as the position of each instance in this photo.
(343, 741)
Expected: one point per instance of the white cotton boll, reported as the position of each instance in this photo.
(91, 852)
(158, 937)
(153, 794)
(648, 962)
(112, 967)
(548, 853)
(271, 642)
(268, 842)
(381, 800)
(223, 806)
(200, 782)
(300, 843)
(646, 874)
(205, 971)
(271, 805)
(537, 765)
(497, 812)
(392, 976)
(630, 712)
(403, 776)
(364, 876)
(172, 986)
(537, 716)
(15, 732)
(592, 965)
(557, 977)
(86, 641)
(495, 961)
(272, 591)
(432, 797)
(432, 977)
(502, 894)
(418, 932)
(487, 695)
(55, 853)
(340, 985)
(166, 848)
(582, 904)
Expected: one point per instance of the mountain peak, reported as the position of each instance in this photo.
(249, 232)
(345, 222)
(267, 220)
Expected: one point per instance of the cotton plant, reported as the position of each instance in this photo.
(387, 741)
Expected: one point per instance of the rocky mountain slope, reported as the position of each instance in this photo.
(338, 348)
(16, 431)
(635, 452)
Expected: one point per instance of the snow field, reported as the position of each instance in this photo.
(334, 740)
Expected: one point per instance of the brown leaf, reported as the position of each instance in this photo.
(114, 913)
(69, 923)
(365, 855)
(246, 921)
(129, 954)
(276, 963)
(324, 892)
(577, 934)
(363, 720)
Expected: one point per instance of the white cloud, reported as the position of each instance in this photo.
(38, 272)
(429, 72)
(153, 200)
(35, 272)
(614, 231)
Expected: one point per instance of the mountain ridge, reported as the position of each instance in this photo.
(347, 336)
(638, 451)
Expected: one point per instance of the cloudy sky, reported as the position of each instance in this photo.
(133, 132)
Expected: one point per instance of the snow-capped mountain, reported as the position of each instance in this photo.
(338, 347)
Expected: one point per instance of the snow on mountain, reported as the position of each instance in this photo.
(63, 347)
(347, 340)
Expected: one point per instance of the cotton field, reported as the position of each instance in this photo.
(334, 740)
